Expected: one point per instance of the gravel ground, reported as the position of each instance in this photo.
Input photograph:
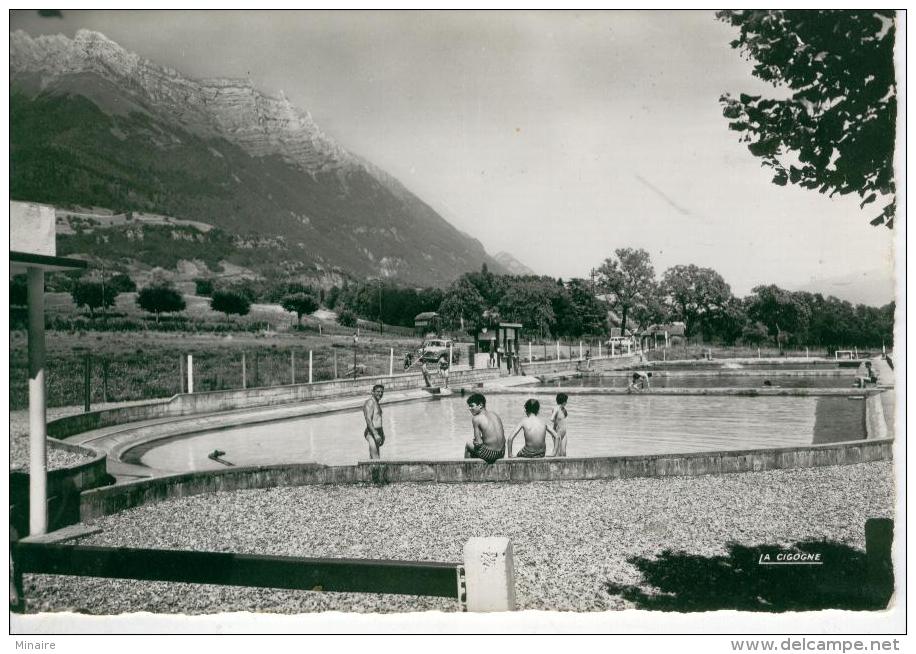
(19, 437)
(570, 538)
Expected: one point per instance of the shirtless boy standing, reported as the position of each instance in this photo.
(536, 431)
(489, 441)
(372, 412)
(558, 421)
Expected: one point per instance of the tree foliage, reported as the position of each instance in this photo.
(697, 296)
(230, 302)
(629, 280)
(835, 133)
(299, 303)
(346, 318)
(93, 295)
(160, 298)
(463, 303)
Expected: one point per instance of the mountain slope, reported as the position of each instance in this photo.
(92, 124)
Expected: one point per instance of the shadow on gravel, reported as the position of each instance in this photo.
(846, 578)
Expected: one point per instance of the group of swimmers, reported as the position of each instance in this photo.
(489, 441)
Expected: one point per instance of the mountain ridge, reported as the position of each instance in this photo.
(93, 124)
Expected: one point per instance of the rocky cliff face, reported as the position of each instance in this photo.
(228, 108)
(95, 125)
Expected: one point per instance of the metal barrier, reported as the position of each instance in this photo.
(491, 589)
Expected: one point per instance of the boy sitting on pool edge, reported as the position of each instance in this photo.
(535, 431)
(489, 442)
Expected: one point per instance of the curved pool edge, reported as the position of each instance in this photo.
(108, 500)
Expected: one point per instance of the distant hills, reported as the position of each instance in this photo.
(873, 287)
(513, 265)
(94, 125)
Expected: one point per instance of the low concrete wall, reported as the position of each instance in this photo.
(539, 368)
(875, 420)
(199, 403)
(64, 486)
(104, 501)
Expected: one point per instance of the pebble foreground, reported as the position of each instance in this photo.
(570, 538)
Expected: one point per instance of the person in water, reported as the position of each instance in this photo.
(489, 442)
(558, 421)
(640, 381)
(372, 412)
(535, 431)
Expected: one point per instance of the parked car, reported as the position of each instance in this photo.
(436, 350)
(619, 342)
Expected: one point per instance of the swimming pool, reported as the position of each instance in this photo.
(599, 425)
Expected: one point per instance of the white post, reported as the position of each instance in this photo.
(612, 348)
(391, 360)
(580, 350)
(857, 351)
(758, 352)
(629, 348)
(806, 351)
(883, 351)
(489, 572)
(666, 338)
(599, 348)
(319, 329)
(310, 366)
(292, 366)
(190, 373)
(558, 350)
(38, 443)
(450, 357)
(529, 352)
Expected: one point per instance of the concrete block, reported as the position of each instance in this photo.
(489, 574)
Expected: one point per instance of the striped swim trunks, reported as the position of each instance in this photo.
(487, 454)
(528, 453)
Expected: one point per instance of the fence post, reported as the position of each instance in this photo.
(38, 442)
(806, 351)
(292, 366)
(599, 348)
(855, 348)
(310, 366)
(558, 350)
(181, 373)
(254, 372)
(105, 380)
(244, 373)
(489, 574)
(335, 364)
(580, 350)
(758, 352)
(87, 382)
(190, 373)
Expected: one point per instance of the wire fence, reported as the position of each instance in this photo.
(85, 378)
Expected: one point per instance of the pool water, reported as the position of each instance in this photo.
(598, 426)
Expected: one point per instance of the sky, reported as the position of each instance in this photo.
(555, 136)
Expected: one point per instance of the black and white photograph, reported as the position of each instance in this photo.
(427, 321)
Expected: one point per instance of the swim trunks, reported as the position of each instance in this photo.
(528, 453)
(381, 436)
(488, 454)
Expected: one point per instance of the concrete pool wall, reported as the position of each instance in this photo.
(104, 501)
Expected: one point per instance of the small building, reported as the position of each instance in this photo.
(497, 342)
(428, 322)
(660, 335)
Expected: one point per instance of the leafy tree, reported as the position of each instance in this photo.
(754, 333)
(230, 302)
(93, 295)
(780, 310)
(697, 296)
(346, 318)
(839, 121)
(586, 314)
(203, 287)
(160, 298)
(530, 302)
(628, 279)
(19, 291)
(463, 303)
(299, 303)
(122, 282)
